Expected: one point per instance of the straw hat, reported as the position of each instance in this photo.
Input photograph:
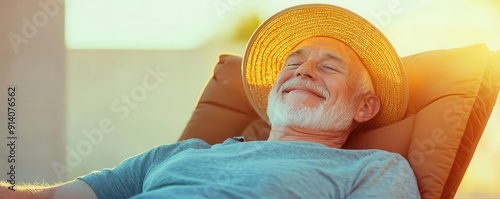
(275, 38)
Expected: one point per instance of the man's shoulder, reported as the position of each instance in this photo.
(375, 158)
(173, 148)
(374, 154)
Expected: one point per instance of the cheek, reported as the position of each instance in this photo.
(282, 78)
(339, 90)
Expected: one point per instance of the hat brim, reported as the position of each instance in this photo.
(276, 37)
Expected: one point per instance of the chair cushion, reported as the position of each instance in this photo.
(223, 109)
(452, 93)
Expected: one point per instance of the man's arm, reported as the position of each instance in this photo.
(76, 189)
(122, 181)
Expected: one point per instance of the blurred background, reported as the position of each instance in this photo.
(99, 81)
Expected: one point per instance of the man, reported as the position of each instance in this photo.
(336, 72)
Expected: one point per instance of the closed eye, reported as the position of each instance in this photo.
(330, 68)
(293, 64)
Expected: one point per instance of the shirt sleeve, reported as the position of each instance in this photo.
(388, 175)
(126, 179)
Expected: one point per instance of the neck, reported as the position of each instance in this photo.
(329, 138)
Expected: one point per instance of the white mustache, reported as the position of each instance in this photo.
(304, 83)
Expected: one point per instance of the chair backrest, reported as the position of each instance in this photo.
(452, 93)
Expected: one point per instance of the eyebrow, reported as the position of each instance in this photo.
(338, 58)
(297, 52)
(334, 56)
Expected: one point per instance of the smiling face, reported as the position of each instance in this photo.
(318, 87)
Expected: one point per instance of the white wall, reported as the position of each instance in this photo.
(32, 57)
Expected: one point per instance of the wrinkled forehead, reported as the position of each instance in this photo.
(333, 48)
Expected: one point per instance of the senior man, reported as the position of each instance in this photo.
(330, 72)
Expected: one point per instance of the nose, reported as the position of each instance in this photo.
(306, 70)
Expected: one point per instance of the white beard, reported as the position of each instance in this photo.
(293, 112)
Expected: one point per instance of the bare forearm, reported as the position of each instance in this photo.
(75, 189)
(22, 191)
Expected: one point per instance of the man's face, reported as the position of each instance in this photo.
(316, 86)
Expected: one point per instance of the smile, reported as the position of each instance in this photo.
(303, 90)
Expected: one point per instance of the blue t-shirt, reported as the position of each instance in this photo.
(257, 169)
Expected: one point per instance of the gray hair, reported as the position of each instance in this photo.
(364, 85)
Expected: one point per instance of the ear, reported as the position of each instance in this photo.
(368, 107)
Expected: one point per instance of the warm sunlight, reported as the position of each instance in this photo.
(111, 24)
(494, 45)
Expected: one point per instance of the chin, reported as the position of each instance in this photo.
(294, 112)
